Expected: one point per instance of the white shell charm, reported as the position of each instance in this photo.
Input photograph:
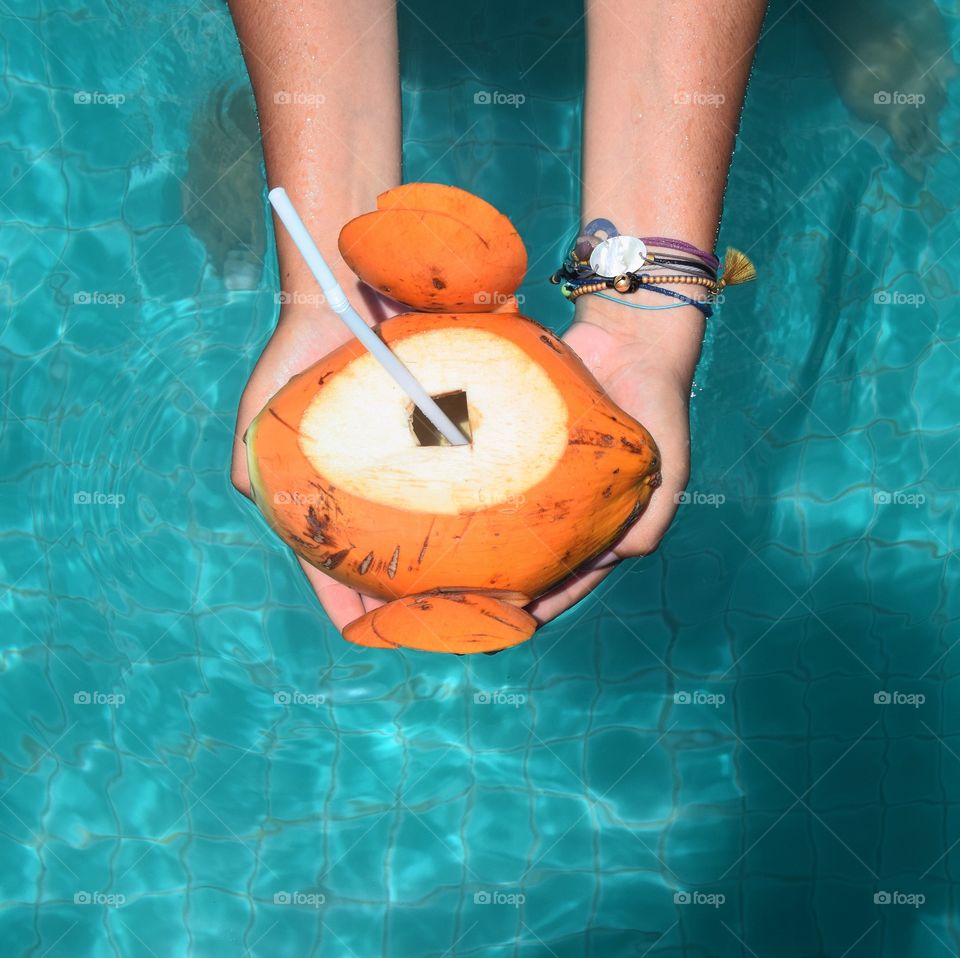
(619, 254)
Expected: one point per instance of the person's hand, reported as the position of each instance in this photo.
(304, 335)
(649, 378)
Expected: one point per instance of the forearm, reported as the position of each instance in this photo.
(663, 98)
(327, 87)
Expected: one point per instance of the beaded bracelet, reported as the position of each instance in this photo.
(573, 292)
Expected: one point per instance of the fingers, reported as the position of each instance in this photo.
(645, 535)
(270, 373)
(340, 602)
(604, 561)
(370, 603)
(239, 474)
(567, 594)
(649, 530)
(667, 419)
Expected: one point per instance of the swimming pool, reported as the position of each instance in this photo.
(745, 744)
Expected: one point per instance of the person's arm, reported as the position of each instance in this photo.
(662, 105)
(665, 84)
(326, 81)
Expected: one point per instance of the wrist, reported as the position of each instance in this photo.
(668, 340)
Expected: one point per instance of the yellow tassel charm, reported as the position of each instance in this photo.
(737, 268)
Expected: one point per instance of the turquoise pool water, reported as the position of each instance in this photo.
(690, 763)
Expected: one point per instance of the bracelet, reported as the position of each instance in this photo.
(618, 261)
(623, 302)
(680, 264)
(574, 292)
(708, 258)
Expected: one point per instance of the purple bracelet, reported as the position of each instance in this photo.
(597, 225)
(682, 247)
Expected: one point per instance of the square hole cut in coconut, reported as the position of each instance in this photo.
(454, 404)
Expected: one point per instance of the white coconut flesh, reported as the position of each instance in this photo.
(358, 431)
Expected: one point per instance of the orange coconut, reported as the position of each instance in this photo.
(456, 538)
(554, 473)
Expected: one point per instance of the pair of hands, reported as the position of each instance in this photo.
(648, 378)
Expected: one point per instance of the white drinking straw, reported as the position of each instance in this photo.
(337, 300)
